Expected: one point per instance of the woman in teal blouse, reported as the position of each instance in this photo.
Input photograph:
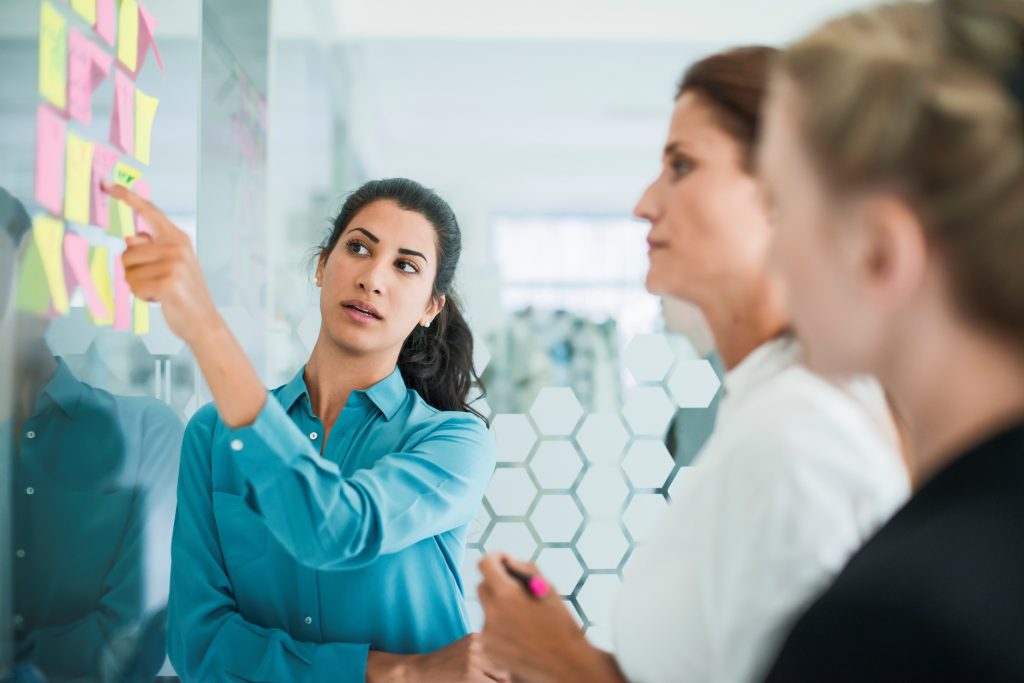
(320, 527)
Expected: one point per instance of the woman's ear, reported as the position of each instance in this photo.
(433, 310)
(896, 254)
(321, 260)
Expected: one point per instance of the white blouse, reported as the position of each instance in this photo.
(798, 473)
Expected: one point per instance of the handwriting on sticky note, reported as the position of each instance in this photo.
(99, 270)
(122, 121)
(86, 9)
(50, 132)
(88, 65)
(53, 55)
(76, 180)
(105, 21)
(145, 111)
(77, 275)
(121, 219)
(128, 34)
(103, 160)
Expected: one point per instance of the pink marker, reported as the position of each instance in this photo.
(534, 584)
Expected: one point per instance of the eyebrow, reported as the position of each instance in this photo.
(376, 240)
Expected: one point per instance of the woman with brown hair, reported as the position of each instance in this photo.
(798, 472)
(894, 154)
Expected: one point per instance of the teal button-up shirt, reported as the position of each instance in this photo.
(290, 565)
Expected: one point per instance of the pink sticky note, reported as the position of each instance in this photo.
(147, 28)
(76, 273)
(122, 121)
(122, 297)
(105, 20)
(50, 132)
(141, 188)
(103, 160)
(88, 65)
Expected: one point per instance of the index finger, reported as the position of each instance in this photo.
(492, 568)
(155, 218)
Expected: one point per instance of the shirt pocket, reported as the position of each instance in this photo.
(243, 535)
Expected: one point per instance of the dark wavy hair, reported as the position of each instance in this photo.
(436, 361)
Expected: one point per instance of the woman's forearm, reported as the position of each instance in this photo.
(236, 387)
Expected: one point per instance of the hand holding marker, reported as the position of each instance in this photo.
(535, 585)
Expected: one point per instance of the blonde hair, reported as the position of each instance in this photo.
(927, 100)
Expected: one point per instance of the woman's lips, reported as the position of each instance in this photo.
(361, 313)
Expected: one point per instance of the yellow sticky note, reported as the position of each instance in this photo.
(122, 221)
(145, 111)
(86, 9)
(99, 270)
(53, 56)
(128, 34)
(140, 317)
(77, 179)
(41, 287)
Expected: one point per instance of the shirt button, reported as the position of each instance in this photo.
(313, 435)
(236, 444)
(30, 434)
(30, 490)
(20, 552)
(309, 620)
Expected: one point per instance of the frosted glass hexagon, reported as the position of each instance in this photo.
(648, 411)
(556, 411)
(309, 327)
(693, 384)
(645, 511)
(71, 334)
(647, 464)
(514, 436)
(602, 438)
(648, 357)
(597, 597)
(602, 544)
(556, 464)
(475, 612)
(556, 518)
(603, 491)
(239, 321)
(513, 538)
(160, 341)
(481, 356)
(561, 567)
(511, 491)
(678, 482)
(601, 635)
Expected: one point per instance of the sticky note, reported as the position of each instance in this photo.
(128, 34)
(53, 55)
(50, 133)
(147, 28)
(77, 179)
(41, 287)
(141, 188)
(122, 222)
(77, 275)
(103, 160)
(86, 9)
(122, 297)
(105, 21)
(122, 121)
(99, 271)
(145, 111)
(88, 65)
(140, 309)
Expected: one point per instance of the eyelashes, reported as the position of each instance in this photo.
(357, 248)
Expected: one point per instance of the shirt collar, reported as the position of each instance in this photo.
(766, 360)
(387, 395)
(64, 389)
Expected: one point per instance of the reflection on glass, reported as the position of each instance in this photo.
(93, 480)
